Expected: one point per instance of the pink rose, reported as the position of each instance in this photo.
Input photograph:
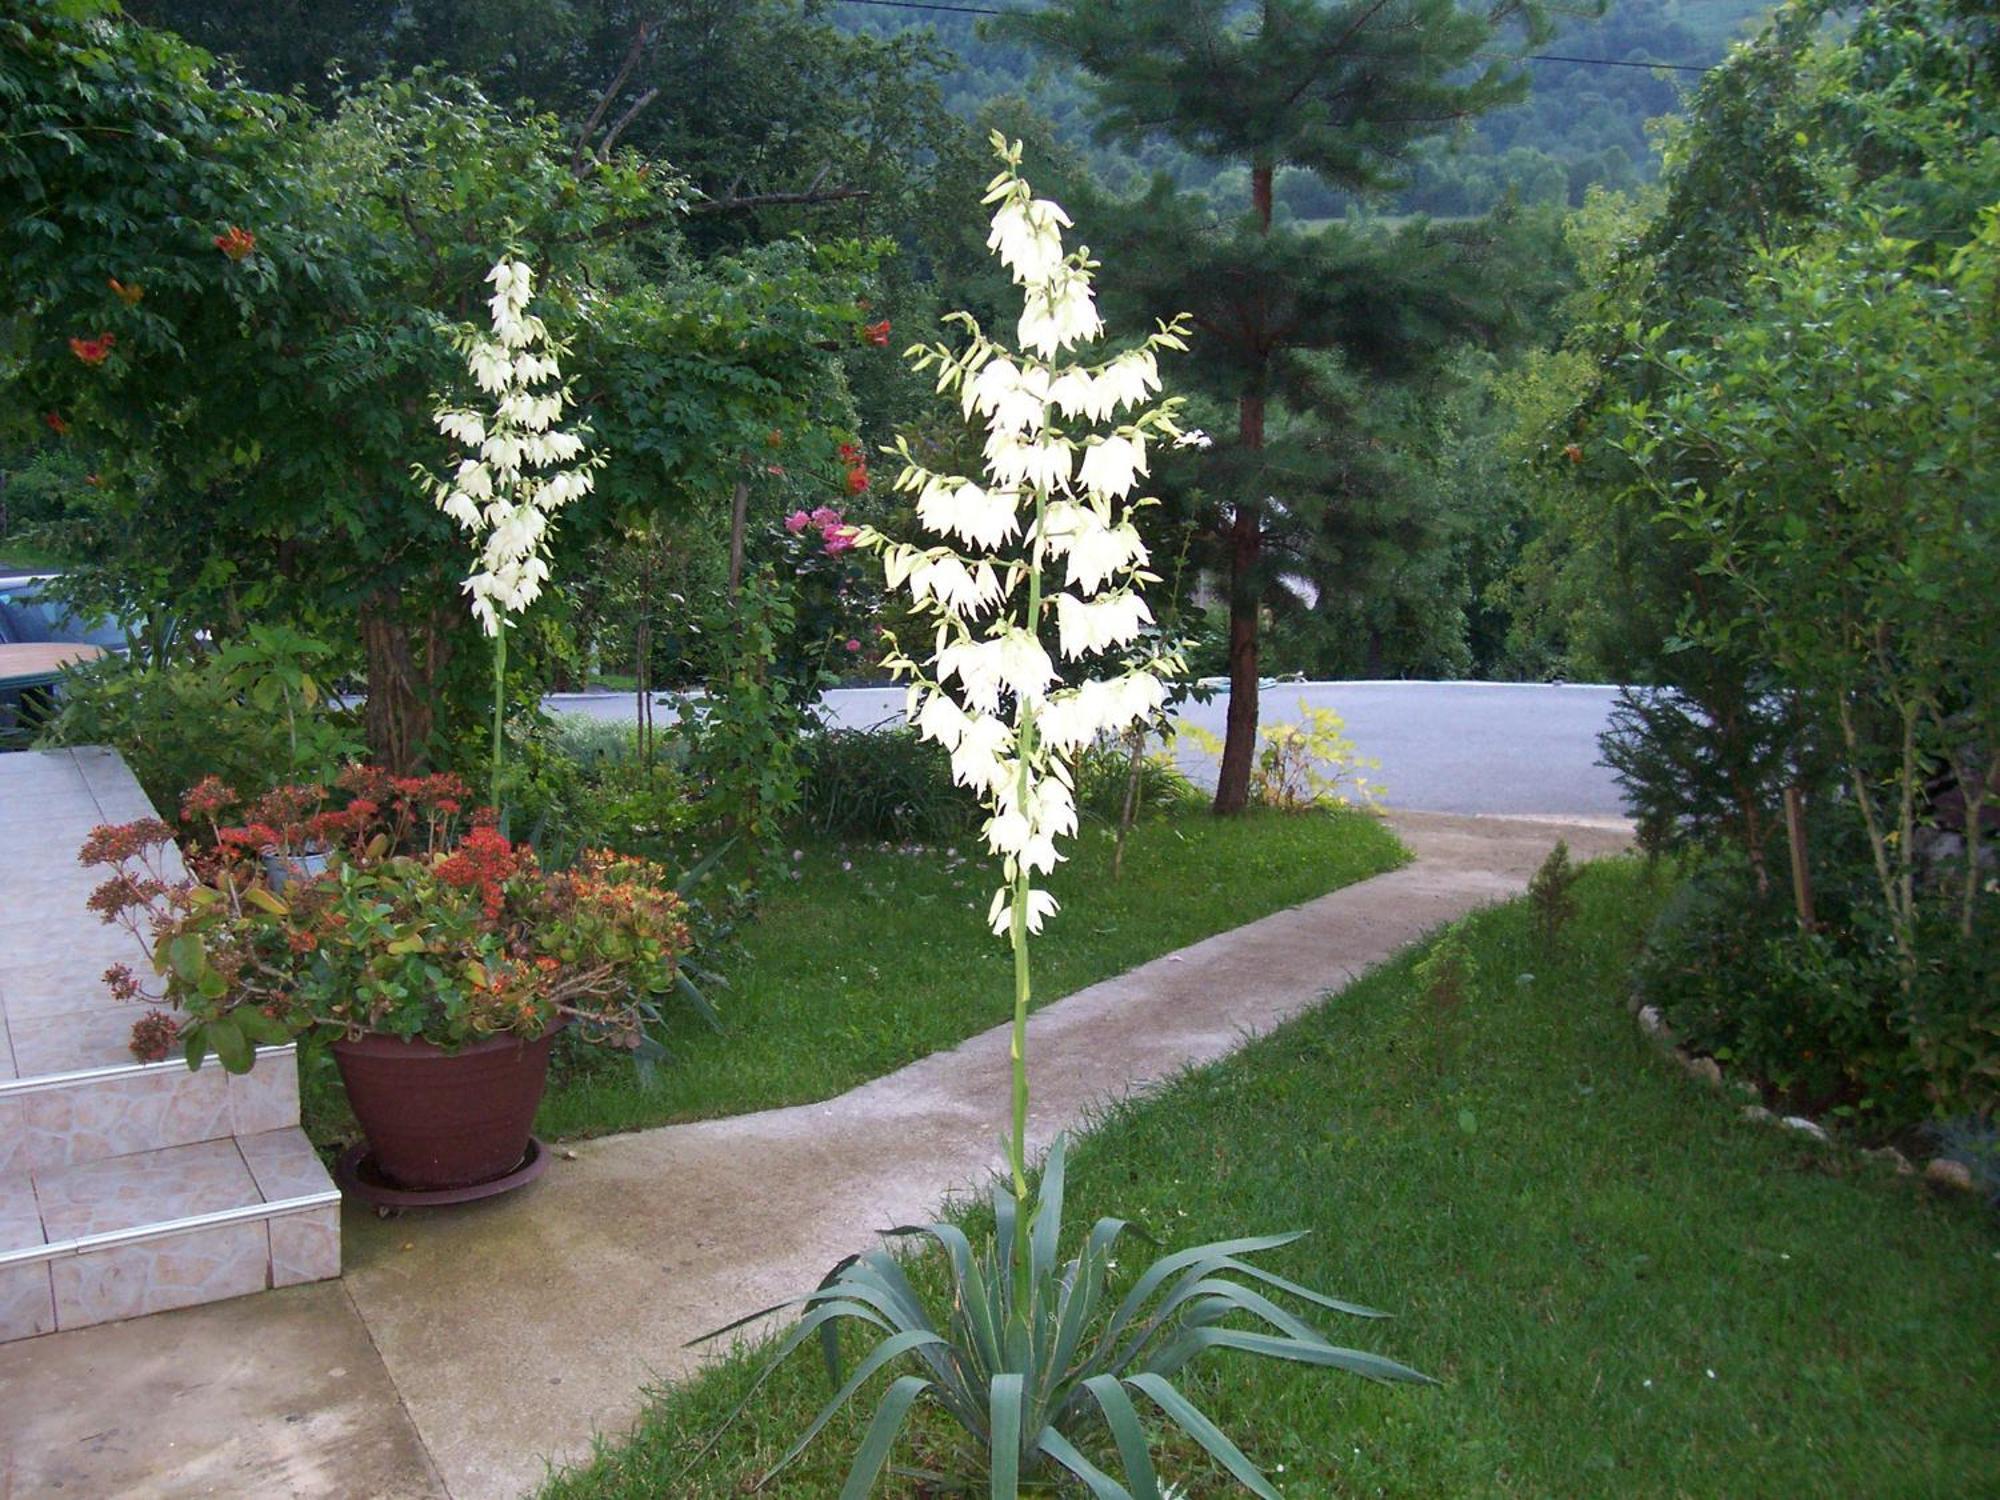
(839, 539)
(853, 645)
(797, 521)
(826, 516)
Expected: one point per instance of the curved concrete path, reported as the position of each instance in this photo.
(509, 1333)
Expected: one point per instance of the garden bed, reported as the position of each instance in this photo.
(857, 961)
(1625, 1289)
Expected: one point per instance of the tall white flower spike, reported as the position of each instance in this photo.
(1055, 488)
(520, 469)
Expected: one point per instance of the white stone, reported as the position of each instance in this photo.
(1806, 1127)
(1944, 1172)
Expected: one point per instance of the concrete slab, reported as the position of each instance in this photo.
(276, 1396)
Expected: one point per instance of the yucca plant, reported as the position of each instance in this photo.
(1030, 1383)
(1032, 1356)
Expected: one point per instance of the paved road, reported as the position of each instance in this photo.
(1462, 747)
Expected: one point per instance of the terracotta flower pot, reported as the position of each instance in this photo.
(437, 1119)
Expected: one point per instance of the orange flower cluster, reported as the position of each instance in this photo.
(237, 244)
(485, 861)
(93, 351)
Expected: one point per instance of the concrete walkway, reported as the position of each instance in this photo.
(465, 1350)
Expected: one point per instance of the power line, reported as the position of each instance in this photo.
(1541, 57)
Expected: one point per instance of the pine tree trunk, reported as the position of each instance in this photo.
(1246, 540)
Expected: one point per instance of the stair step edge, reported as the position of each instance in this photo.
(83, 1077)
(140, 1234)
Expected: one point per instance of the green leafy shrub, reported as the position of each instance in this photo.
(1104, 774)
(254, 713)
(882, 784)
(1822, 1017)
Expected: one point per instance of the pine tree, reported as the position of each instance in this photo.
(1344, 89)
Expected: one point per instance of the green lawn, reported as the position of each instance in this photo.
(869, 960)
(1626, 1290)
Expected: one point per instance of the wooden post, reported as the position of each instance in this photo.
(1795, 837)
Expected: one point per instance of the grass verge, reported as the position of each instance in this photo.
(1626, 1289)
(864, 959)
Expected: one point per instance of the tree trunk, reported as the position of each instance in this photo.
(739, 523)
(404, 663)
(1246, 539)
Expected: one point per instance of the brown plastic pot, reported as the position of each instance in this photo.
(437, 1119)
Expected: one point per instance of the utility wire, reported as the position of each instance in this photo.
(1541, 57)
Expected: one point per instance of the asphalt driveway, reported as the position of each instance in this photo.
(1522, 749)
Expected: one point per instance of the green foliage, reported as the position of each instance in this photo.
(1029, 1380)
(874, 784)
(742, 737)
(254, 713)
(1104, 777)
(1781, 511)
(1823, 1017)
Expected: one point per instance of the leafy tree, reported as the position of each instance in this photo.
(262, 302)
(1346, 90)
(1791, 419)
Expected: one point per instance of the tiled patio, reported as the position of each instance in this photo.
(125, 1187)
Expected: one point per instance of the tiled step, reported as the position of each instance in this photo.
(125, 1235)
(125, 1187)
(63, 1119)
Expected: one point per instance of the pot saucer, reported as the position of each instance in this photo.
(358, 1178)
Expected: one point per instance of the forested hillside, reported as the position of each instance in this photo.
(1583, 123)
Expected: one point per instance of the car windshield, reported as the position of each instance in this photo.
(26, 616)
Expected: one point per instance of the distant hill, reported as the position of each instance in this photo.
(1582, 124)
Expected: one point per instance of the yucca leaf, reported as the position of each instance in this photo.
(1100, 1484)
(1004, 1401)
(1243, 1299)
(776, 1307)
(1079, 1308)
(1168, 1265)
(1315, 1352)
(1188, 1417)
(890, 1414)
(1271, 1278)
(1047, 1229)
(1004, 1209)
(881, 1272)
(893, 1347)
(691, 992)
(811, 1323)
(1123, 1420)
(1104, 1234)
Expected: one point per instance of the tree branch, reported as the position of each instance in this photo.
(642, 36)
(776, 200)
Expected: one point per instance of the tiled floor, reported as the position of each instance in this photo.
(125, 1188)
(54, 1010)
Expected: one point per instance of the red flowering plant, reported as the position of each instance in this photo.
(425, 925)
(835, 599)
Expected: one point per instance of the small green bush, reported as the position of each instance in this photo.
(253, 714)
(1822, 1017)
(881, 784)
(1104, 773)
